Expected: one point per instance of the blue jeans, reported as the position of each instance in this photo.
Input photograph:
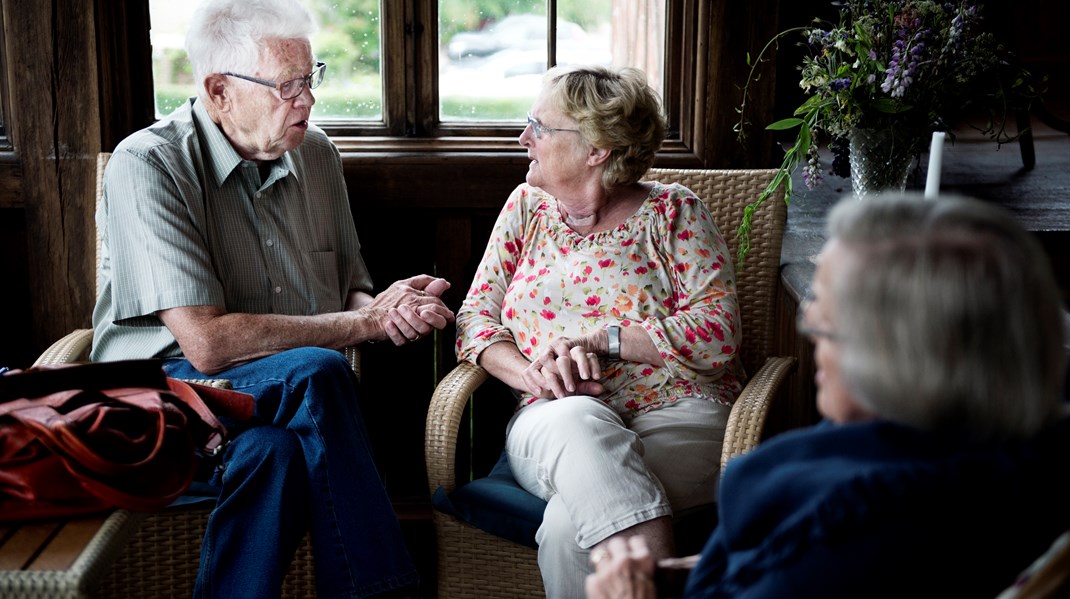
(303, 463)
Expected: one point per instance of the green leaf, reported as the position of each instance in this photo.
(811, 104)
(781, 125)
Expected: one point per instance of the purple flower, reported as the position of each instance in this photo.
(907, 55)
(812, 176)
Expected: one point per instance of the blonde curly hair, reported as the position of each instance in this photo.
(616, 109)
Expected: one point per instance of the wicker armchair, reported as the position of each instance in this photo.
(162, 558)
(474, 563)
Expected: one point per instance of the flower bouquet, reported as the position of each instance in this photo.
(902, 67)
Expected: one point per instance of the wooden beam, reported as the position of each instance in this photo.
(56, 107)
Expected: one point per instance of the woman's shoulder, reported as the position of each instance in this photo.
(676, 202)
(673, 193)
(873, 493)
(844, 476)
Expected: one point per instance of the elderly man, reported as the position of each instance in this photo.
(229, 250)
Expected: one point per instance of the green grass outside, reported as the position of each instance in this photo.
(359, 104)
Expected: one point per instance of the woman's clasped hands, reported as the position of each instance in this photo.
(569, 366)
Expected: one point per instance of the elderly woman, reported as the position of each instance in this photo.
(940, 360)
(609, 305)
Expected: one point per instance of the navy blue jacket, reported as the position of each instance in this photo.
(883, 510)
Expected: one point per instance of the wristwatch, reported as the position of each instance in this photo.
(613, 332)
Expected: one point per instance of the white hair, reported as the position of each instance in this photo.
(950, 314)
(229, 35)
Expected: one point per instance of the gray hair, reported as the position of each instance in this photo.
(229, 35)
(950, 315)
(617, 110)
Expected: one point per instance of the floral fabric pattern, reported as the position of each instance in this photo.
(666, 269)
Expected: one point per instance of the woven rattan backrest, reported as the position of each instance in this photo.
(102, 161)
(726, 193)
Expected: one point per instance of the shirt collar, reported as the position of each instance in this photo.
(222, 157)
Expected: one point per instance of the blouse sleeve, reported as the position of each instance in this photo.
(699, 332)
(479, 322)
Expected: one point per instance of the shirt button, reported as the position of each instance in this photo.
(257, 195)
(278, 290)
(270, 242)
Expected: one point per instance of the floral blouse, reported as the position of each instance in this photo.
(666, 269)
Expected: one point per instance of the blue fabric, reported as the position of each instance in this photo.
(303, 463)
(495, 504)
(498, 505)
(882, 510)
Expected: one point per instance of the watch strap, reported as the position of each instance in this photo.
(613, 333)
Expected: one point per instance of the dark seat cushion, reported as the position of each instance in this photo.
(495, 504)
(498, 505)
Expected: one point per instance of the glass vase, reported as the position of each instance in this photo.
(880, 161)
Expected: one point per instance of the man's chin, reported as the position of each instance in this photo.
(294, 137)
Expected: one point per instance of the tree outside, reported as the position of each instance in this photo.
(497, 82)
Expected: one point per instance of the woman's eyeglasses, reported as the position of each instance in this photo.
(538, 128)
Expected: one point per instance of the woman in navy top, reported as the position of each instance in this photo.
(940, 354)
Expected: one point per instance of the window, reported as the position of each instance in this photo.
(467, 82)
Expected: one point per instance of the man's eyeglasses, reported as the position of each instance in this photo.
(803, 326)
(538, 128)
(289, 90)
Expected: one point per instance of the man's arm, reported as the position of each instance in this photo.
(213, 339)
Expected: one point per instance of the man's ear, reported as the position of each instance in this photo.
(596, 156)
(217, 92)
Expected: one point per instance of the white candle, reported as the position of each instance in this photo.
(932, 179)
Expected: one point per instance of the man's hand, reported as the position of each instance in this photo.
(567, 367)
(410, 308)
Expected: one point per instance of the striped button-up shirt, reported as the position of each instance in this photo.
(185, 221)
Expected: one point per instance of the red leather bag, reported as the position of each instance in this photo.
(86, 438)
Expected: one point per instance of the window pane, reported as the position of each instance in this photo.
(493, 52)
(348, 40)
(491, 58)
(172, 77)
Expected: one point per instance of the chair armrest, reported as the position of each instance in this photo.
(74, 347)
(747, 418)
(444, 420)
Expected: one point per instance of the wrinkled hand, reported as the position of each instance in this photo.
(567, 367)
(622, 570)
(410, 308)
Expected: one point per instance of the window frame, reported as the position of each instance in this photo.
(6, 144)
(410, 88)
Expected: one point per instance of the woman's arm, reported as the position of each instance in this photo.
(700, 332)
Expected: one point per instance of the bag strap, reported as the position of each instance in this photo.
(215, 440)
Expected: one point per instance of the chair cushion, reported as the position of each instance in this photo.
(498, 505)
(495, 504)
